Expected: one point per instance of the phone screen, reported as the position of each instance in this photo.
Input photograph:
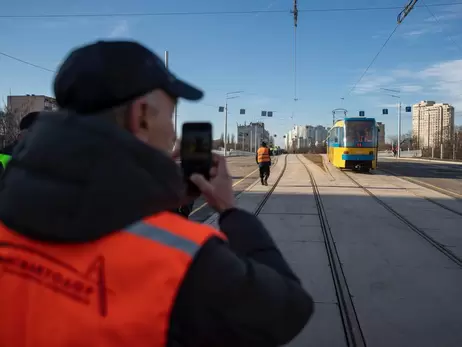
(196, 148)
(196, 145)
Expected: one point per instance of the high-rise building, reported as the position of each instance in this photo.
(250, 136)
(432, 123)
(381, 127)
(303, 136)
(20, 105)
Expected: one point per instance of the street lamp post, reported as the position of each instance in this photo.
(399, 115)
(231, 95)
(176, 107)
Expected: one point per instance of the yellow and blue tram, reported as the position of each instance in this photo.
(352, 144)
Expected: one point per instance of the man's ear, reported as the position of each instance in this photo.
(136, 121)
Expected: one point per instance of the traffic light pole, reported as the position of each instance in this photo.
(399, 129)
(225, 139)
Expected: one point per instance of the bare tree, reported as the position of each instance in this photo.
(393, 139)
(9, 127)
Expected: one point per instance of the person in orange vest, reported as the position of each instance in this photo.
(263, 159)
(90, 254)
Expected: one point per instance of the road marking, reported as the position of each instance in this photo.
(235, 184)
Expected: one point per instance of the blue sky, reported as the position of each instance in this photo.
(254, 53)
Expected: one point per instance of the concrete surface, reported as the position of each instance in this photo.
(443, 175)
(405, 292)
(244, 172)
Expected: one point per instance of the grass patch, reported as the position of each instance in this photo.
(316, 159)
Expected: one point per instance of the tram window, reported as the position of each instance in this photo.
(341, 135)
(360, 132)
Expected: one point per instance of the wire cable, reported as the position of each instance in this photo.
(26, 62)
(202, 13)
(295, 64)
(438, 21)
(374, 59)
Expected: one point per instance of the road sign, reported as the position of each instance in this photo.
(385, 111)
(242, 111)
(408, 109)
(361, 113)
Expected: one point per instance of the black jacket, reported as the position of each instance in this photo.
(241, 293)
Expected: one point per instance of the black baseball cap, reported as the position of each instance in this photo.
(106, 74)
(28, 120)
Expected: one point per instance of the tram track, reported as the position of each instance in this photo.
(436, 244)
(424, 185)
(270, 192)
(352, 329)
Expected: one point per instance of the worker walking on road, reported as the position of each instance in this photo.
(264, 162)
(90, 252)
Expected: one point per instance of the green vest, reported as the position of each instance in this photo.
(4, 159)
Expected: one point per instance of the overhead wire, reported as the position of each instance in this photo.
(26, 62)
(200, 13)
(438, 21)
(374, 59)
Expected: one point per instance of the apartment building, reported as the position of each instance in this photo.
(432, 123)
(251, 135)
(20, 105)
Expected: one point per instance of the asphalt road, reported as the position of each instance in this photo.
(447, 177)
(244, 171)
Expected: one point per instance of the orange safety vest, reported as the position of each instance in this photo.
(116, 291)
(263, 154)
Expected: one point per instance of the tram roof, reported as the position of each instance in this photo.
(341, 122)
(359, 118)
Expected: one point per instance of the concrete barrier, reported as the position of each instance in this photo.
(233, 153)
(404, 154)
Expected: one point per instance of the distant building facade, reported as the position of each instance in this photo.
(20, 105)
(432, 123)
(251, 135)
(304, 136)
(381, 127)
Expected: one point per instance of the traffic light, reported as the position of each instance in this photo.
(270, 114)
(408, 109)
(385, 111)
(221, 109)
(242, 111)
(361, 113)
(263, 113)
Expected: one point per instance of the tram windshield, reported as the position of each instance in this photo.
(360, 134)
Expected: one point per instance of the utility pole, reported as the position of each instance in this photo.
(231, 95)
(294, 11)
(176, 107)
(399, 128)
(399, 114)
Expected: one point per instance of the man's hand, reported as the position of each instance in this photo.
(219, 190)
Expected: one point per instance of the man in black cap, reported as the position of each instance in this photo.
(25, 123)
(86, 199)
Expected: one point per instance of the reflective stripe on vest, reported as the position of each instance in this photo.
(263, 155)
(4, 159)
(116, 291)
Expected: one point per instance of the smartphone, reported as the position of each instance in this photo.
(196, 152)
